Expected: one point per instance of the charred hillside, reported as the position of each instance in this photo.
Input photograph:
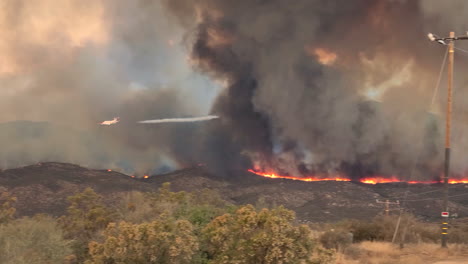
(44, 187)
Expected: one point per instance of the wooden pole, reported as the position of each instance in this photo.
(448, 124)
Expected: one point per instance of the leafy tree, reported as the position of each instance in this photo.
(199, 207)
(7, 211)
(85, 216)
(263, 237)
(161, 241)
(33, 241)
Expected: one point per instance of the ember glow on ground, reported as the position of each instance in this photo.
(368, 180)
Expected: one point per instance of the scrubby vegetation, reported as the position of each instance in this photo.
(35, 240)
(200, 227)
(159, 227)
(382, 229)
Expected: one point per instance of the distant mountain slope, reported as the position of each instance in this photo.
(27, 142)
(43, 188)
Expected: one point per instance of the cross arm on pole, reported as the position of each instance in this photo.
(445, 40)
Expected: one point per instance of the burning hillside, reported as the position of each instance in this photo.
(43, 188)
(366, 180)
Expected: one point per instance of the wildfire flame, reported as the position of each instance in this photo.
(324, 56)
(339, 178)
(308, 179)
(369, 180)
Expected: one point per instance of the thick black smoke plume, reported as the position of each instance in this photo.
(325, 86)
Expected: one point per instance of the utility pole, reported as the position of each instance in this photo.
(448, 123)
(448, 126)
(387, 205)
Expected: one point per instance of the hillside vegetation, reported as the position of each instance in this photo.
(200, 227)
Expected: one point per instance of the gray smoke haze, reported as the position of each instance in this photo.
(67, 65)
(307, 86)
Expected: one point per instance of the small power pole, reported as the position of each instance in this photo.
(448, 122)
(387, 205)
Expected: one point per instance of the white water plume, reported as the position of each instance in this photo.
(179, 120)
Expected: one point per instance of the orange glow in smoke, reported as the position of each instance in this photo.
(146, 177)
(171, 42)
(218, 37)
(109, 170)
(368, 180)
(324, 56)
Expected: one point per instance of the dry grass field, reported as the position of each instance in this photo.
(387, 253)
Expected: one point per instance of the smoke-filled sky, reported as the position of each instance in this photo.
(301, 87)
(74, 63)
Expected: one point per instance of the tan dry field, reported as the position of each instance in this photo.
(386, 253)
(460, 261)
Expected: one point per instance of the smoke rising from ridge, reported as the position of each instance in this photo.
(301, 78)
(307, 86)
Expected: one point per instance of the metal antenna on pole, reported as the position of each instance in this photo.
(448, 123)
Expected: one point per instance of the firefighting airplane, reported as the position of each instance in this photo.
(110, 122)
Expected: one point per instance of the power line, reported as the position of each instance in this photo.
(415, 194)
(442, 67)
(433, 198)
(429, 199)
(462, 50)
(418, 156)
(458, 195)
(423, 199)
